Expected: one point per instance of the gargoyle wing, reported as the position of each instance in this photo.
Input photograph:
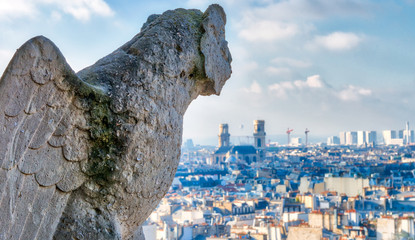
(42, 141)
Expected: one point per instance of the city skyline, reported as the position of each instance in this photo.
(241, 135)
(327, 65)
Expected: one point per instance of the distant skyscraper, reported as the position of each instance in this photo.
(407, 135)
(296, 141)
(351, 138)
(366, 138)
(400, 137)
(333, 140)
(342, 137)
(361, 138)
(400, 133)
(388, 135)
(259, 134)
(224, 135)
(371, 137)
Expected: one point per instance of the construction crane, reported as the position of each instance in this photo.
(288, 134)
(306, 136)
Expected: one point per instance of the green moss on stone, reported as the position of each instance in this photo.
(103, 124)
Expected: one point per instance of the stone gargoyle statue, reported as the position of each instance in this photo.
(89, 155)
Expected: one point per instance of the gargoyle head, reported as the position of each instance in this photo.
(199, 40)
(215, 50)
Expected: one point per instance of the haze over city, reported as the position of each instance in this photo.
(326, 65)
(312, 137)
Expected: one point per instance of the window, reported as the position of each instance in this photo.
(258, 143)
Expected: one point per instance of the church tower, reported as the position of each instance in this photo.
(259, 134)
(224, 135)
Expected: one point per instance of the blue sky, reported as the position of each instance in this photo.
(326, 65)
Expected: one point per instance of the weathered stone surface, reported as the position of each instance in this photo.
(35, 217)
(12, 189)
(53, 168)
(89, 155)
(73, 177)
(23, 206)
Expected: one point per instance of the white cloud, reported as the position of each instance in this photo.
(254, 88)
(337, 41)
(291, 62)
(286, 88)
(281, 89)
(353, 93)
(311, 82)
(271, 21)
(287, 85)
(83, 9)
(16, 8)
(278, 90)
(79, 9)
(267, 31)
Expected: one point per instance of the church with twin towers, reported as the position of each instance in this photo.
(233, 154)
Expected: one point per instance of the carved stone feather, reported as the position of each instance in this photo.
(89, 155)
